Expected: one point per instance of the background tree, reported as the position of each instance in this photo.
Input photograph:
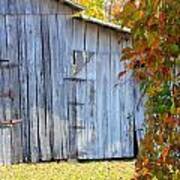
(94, 8)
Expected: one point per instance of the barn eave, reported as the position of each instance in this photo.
(73, 5)
(102, 23)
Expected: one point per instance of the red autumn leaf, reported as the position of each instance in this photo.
(162, 17)
(169, 120)
(165, 152)
(165, 70)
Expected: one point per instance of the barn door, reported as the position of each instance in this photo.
(81, 105)
(86, 132)
(81, 112)
(76, 111)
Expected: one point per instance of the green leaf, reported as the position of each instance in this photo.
(175, 49)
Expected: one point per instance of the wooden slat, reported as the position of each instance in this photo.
(31, 25)
(12, 51)
(11, 80)
(91, 131)
(103, 99)
(76, 112)
(59, 65)
(7, 150)
(45, 123)
(10, 153)
(1, 149)
(66, 47)
(23, 74)
(116, 100)
(2, 53)
(128, 119)
(54, 52)
(6, 103)
(69, 41)
(74, 116)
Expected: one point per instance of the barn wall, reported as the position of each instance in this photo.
(35, 7)
(32, 35)
(111, 131)
(41, 37)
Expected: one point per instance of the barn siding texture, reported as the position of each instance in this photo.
(84, 115)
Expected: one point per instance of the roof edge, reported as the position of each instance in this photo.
(102, 23)
(73, 4)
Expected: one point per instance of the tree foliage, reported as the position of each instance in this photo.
(94, 8)
(155, 60)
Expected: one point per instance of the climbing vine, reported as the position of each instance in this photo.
(155, 60)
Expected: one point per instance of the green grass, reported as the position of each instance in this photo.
(69, 171)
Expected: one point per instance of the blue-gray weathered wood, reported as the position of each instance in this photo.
(63, 117)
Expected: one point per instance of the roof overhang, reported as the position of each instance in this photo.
(73, 5)
(86, 18)
(102, 23)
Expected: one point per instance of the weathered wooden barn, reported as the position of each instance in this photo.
(60, 96)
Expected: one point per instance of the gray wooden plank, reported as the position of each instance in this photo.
(7, 145)
(81, 135)
(12, 51)
(18, 92)
(5, 102)
(67, 71)
(79, 32)
(65, 40)
(47, 6)
(90, 109)
(54, 52)
(45, 122)
(60, 128)
(40, 90)
(31, 95)
(80, 121)
(3, 6)
(73, 115)
(115, 125)
(103, 99)
(23, 74)
(99, 107)
(1, 147)
(3, 52)
(127, 120)
(4, 146)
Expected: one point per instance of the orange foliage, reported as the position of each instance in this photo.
(154, 59)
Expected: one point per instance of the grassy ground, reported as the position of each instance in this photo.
(69, 171)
